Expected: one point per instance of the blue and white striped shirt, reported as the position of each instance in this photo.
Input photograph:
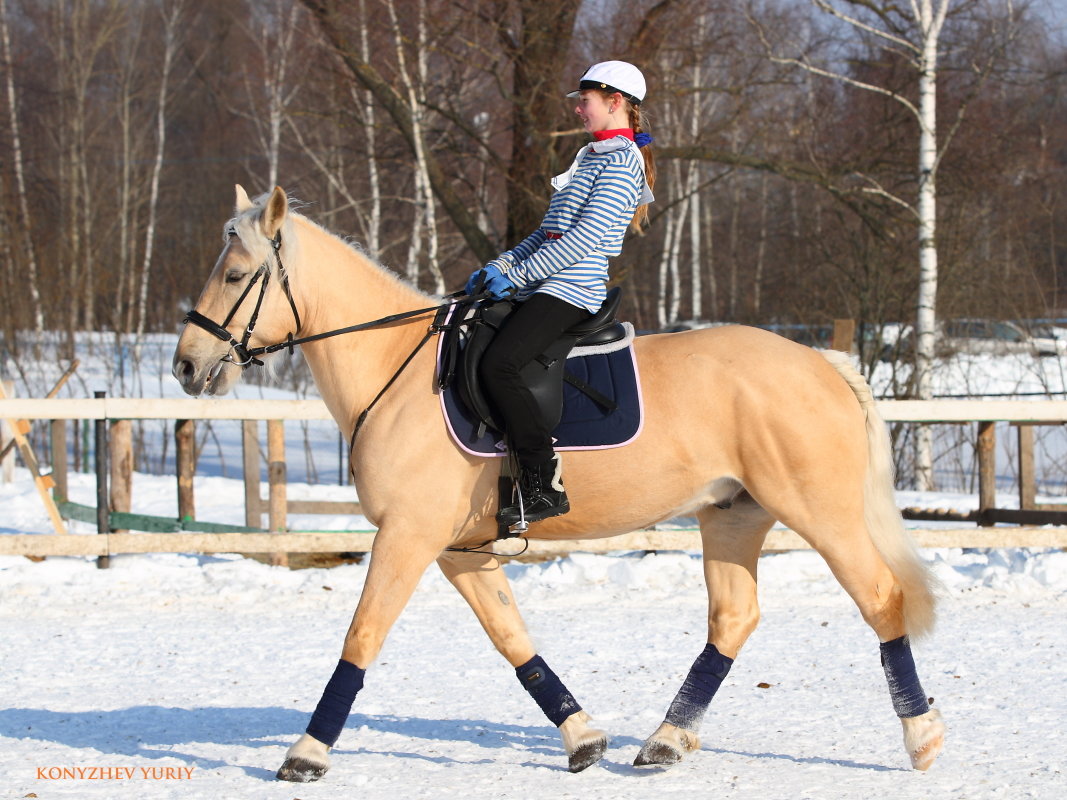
(587, 219)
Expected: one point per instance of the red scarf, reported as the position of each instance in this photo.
(602, 135)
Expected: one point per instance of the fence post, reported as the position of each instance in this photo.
(276, 476)
(59, 459)
(987, 469)
(7, 440)
(120, 450)
(185, 456)
(1027, 486)
(844, 335)
(250, 461)
(103, 513)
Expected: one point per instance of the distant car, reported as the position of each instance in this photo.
(1048, 339)
(995, 337)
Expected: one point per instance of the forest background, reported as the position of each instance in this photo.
(427, 131)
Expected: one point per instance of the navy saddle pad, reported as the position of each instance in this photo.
(585, 425)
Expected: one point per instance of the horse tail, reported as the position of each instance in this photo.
(884, 523)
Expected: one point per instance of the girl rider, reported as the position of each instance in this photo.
(559, 273)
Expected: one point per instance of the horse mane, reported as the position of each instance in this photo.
(245, 224)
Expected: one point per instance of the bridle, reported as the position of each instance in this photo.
(244, 356)
(240, 354)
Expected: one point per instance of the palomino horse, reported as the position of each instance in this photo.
(742, 428)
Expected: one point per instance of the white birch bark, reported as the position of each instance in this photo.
(663, 284)
(24, 221)
(171, 18)
(425, 203)
(373, 224)
(695, 272)
(930, 21)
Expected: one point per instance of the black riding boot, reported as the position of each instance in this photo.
(543, 495)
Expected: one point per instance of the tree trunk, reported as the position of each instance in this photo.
(170, 44)
(23, 222)
(926, 318)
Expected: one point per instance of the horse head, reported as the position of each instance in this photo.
(246, 302)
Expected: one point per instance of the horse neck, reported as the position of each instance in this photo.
(338, 287)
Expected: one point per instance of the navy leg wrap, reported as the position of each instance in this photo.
(332, 711)
(547, 690)
(909, 699)
(703, 680)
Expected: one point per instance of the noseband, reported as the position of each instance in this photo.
(240, 354)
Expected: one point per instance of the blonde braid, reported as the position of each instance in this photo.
(639, 123)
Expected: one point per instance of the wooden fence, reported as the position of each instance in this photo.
(116, 412)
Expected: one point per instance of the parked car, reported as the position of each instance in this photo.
(996, 337)
(1049, 340)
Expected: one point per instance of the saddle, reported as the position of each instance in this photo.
(473, 326)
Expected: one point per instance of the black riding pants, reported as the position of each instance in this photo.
(526, 334)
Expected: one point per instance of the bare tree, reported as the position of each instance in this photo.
(912, 33)
(173, 13)
(23, 220)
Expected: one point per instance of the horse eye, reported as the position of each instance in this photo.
(234, 276)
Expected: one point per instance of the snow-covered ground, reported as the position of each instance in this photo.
(209, 666)
(189, 676)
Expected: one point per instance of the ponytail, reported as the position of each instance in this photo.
(639, 123)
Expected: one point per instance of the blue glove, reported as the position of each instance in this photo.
(472, 281)
(496, 282)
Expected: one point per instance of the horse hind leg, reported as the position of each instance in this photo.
(866, 547)
(732, 540)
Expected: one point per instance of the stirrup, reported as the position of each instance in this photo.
(522, 526)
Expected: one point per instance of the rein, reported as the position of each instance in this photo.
(244, 356)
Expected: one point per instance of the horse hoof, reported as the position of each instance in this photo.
(300, 770)
(923, 738)
(587, 754)
(657, 754)
(668, 745)
(583, 744)
(306, 761)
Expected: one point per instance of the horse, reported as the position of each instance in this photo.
(742, 428)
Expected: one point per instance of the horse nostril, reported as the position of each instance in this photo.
(184, 370)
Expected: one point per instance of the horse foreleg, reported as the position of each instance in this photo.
(732, 542)
(479, 578)
(397, 563)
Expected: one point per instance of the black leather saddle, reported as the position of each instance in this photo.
(473, 327)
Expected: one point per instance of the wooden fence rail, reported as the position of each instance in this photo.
(278, 540)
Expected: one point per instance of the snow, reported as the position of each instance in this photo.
(213, 663)
(183, 676)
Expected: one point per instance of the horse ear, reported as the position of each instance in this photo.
(274, 213)
(242, 203)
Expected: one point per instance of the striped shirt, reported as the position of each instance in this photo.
(567, 257)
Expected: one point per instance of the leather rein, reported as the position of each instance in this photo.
(244, 356)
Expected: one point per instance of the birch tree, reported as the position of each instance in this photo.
(913, 32)
(415, 89)
(172, 16)
(270, 87)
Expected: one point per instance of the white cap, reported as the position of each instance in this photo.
(614, 76)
